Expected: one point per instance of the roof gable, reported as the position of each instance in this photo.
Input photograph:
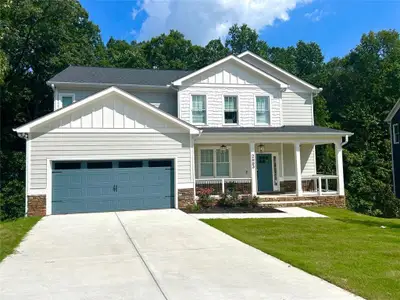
(240, 62)
(78, 113)
(280, 73)
(393, 112)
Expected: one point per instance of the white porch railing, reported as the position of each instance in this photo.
(324, 184)
(220, 185)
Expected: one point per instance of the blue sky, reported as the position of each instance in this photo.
(335, 25)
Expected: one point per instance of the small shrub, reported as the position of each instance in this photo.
(254, 201)
(194, 207)
(245, 201)
(12, 200)
(204, 195)
(228, 200)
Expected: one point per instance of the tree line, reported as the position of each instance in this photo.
(39, 38)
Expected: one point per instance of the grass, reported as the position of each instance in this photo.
(12, 232)
(348, 249)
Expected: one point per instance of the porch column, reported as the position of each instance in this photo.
(253, 168)
(339, 168)
(297, 164)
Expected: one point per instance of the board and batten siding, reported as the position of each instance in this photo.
(166, 101)
(112, 146)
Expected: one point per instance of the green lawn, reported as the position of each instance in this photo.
(348, 249)
(12, 232)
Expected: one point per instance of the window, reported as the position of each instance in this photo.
(67, 165)
(214, 163)
(230, 110)
(207, 162)
(262, 110)
(130, 164)
(396, 134)
(99, 165)
(199, 111)
(67, 99)
(160, 163)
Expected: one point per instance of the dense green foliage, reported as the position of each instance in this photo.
(356, 252)
(39, 38)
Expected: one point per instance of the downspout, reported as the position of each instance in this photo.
(346, 140)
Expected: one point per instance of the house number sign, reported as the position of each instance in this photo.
(253, 161)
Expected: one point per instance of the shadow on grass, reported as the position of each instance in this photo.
(370, 223)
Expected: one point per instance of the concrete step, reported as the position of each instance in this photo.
(288, 203)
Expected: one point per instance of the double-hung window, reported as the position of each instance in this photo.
(396, 134)
(67, 99)
(230, 110)
(214, 163)
(262, 110)
(199, 110)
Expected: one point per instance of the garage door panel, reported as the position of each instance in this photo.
(136, 185)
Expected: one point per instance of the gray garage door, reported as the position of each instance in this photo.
(100, 186)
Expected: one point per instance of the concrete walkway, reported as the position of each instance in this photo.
(160, 254)
(286, 212)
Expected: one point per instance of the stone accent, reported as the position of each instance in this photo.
(185, 197)
(240, 187)
(333, 201)
(290, 186)
(37, 205)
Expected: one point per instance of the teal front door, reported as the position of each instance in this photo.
(264, 173)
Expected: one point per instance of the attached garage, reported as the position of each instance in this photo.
(101, 186)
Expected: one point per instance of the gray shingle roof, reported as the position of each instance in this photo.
(282, 129)
(98, 75)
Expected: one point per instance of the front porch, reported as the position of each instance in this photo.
(278, 173)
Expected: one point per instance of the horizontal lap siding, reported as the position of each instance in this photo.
(297, 108)
(107, 146)
(307, 157)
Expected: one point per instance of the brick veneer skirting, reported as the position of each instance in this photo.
(37, 205)
(333, 201)
(185, 197)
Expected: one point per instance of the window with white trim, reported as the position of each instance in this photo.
(199, 110)
(214, 163)
(396, 134)
(262, 110)
(67, 99)
(230, 110)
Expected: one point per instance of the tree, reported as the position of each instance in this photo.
(362, 88)
(124, 55)
(39, 39)
(244, 38)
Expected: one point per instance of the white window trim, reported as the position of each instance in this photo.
(394, 126)
(61, 95)
(214, 148)
(191, 109)
(223, 110)
(269, 109)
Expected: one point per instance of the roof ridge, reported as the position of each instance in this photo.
(119, 68)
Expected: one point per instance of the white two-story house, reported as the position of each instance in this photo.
(126, 139)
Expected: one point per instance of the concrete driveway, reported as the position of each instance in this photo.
(159, 254)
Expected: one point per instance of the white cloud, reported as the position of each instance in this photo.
(203, 20)
(316, 15)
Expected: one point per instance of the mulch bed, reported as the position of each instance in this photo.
(233, 210)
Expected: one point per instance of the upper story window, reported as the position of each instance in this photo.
(262, 110)
(67, 99)
(199, 111)
(396, 134)
(230, 110)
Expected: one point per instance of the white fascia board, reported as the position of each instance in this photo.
(27, 127)
(221, 61)
(394, 110)
(314, 88)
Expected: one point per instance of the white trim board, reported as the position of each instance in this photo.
(271, 65)
(394, 110)
(28, 127)
(180, 81)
